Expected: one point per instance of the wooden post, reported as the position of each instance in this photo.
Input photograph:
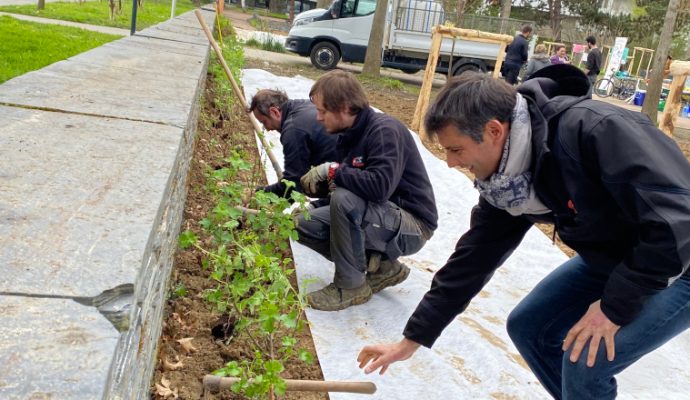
(499, 59)
(680, 71)
(438, 33)
(425, 91)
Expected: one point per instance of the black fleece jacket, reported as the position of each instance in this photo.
(628, 186)
(380, 162)
(305, 143)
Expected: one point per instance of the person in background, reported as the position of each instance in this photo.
(539, 60)
(560, 56)
(593, 66)
(305, 141)
(516, 55)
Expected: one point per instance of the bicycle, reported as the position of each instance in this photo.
(623, 87)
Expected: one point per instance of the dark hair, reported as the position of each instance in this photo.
(264, 99)
(591, 39)
(468, 102)
(560, 46)
(338, 89)
(526, 29)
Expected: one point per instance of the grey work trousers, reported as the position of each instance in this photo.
(349, 226)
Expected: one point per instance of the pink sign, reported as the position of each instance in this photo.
(578, 48)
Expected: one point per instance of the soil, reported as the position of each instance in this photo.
(189, 315)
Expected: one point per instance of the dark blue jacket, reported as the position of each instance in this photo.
(380, 162)
(619, 192)
(517, 51)
(305, 143)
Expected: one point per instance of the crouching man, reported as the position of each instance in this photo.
(381, 199)
(305, 143)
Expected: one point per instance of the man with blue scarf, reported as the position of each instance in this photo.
(618, 192)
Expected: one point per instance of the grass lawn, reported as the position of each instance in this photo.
(28, 46)
(98, 12)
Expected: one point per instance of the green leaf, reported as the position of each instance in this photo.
(305, 356)
(187, 239)
(273, 367)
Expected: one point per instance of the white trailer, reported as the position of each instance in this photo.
(343, 31)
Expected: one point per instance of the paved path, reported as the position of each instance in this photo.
(88, 27)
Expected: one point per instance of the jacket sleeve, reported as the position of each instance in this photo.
(385, 161)
(649, 179)
(531, 67)
(492, 237)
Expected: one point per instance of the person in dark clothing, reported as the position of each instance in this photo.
(540, 59)
(305, 142)
(547, 152)
(593, 66)
(381, 199)
(516, 55)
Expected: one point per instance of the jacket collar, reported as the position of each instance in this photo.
(352, 135)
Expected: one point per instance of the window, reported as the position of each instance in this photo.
(365, 7)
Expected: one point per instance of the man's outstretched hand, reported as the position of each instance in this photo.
(383, 355)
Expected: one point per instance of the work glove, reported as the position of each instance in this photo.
(316, 182)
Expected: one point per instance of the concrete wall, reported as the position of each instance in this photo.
(94, 155)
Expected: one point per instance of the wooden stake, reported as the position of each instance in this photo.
(217, 383)
(238, 93)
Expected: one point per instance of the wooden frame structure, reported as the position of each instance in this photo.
(680, 71)
(437, 34)
(551, 45)
(644, 51)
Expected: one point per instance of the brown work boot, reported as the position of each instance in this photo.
(390, 273)
(332, 298)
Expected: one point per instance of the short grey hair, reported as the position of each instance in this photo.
(264, 99)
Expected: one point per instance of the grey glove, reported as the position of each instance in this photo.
(315, 181)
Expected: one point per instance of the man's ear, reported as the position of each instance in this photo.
(275, 112)
(495, 130)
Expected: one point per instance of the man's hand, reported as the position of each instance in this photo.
(593, 325)
(383, 355)
(316, 179)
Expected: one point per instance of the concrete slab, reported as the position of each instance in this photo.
(80, 87)
(79, 198)
(125, 55)
(189, 49)
(53, 349)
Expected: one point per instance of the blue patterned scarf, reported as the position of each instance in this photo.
(510, 188)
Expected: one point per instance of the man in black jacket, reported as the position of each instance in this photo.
(516, 55)
(381, 199)
(305, 142)
(618, 192)
(593, 65)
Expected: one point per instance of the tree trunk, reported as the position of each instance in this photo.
(651, 100)
(555, 20)
(292, 10)
(460, 11)
(505, 14)
(41, 4)
(372, 61)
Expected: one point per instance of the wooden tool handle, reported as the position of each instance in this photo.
(217, 383)
(276, 165)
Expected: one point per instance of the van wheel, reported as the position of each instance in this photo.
(460, 69)
(324, 55)
(410, 70)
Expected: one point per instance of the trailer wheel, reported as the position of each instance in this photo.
(325, 55)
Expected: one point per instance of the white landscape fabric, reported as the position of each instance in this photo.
(474, 358)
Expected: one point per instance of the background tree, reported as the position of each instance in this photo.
(41, 4)
(372, 60)
(654, 88)
(555, 18)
